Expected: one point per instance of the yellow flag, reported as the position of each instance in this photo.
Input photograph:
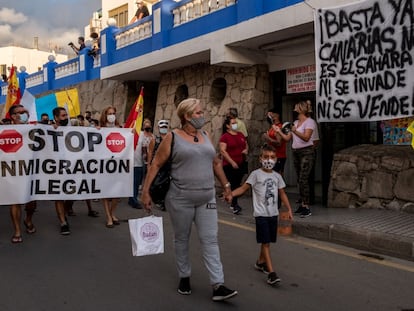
(140, 111)
(71, 99)
(411, 130)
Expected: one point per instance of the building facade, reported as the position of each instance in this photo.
(252, 55)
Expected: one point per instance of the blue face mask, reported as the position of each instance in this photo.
(24, 117)
(197, 122)
(163, 130)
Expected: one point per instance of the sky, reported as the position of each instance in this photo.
(54, 22)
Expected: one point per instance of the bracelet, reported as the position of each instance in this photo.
(228, 185)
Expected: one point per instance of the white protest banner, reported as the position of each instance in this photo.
(38, 162)
(364, 61)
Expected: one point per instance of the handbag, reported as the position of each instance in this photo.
(161, 183)
(147, 236)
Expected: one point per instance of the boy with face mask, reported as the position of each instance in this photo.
(266, 186)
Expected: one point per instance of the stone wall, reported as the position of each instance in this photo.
(373, 176)
(246, 88)
(96, 95)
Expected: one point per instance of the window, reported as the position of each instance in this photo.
(218, 91)
(180, 94)
(120, 14)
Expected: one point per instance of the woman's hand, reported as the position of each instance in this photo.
(146, 200)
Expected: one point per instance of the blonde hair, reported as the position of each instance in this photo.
(187, 108)
(304, 107)
(146, 120)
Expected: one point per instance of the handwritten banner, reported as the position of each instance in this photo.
(364, 61)
(68, 163)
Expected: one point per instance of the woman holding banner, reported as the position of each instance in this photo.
(108, 119)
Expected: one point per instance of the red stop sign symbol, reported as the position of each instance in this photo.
(10, 141)
(115, 142)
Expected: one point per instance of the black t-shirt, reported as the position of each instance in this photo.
(143, 10)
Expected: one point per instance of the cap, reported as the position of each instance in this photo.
(163, 123)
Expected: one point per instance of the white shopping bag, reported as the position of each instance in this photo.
(147, 236)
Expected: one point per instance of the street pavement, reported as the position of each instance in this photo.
(93, 269)
(374, 230)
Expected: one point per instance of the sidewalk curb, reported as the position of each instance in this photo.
(373, 241)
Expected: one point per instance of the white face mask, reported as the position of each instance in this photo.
(268, 164)
(234, 127)
(163, 130)
(24, 117)
(111, 118)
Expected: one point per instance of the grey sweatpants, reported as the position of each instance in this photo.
(186, 207)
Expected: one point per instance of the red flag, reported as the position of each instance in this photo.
(135, 117)
(13, 92)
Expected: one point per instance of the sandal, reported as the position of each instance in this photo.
(93, 214)
(16, 239)
(116, 222)
(29, 229)
(110, 226)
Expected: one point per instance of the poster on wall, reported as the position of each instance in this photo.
(364, 61)
(301, 79)
(395, 131)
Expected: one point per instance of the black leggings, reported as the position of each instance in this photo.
(234, 176)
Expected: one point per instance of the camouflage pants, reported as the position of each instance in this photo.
(303, 160)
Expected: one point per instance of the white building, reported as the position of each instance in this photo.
(32, 59)
(122, 11)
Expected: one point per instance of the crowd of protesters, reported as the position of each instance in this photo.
(189, 192)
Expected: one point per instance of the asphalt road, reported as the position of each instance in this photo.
(93, 269)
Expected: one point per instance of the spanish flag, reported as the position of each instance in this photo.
(13, 92)
(411, 130)
(136, 116)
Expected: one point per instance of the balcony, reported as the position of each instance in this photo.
(222, 32)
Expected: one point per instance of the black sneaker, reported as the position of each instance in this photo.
(64, 229)
(305, 213)
(184, 287)
(272, 279)
(261, 267)
(237, 210)
(223, 293)
(299, 210)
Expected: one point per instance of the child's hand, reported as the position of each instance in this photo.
(228, 197)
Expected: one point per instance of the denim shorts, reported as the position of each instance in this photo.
(266, 229)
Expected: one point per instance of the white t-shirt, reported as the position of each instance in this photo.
(265, 189)
(299, 143)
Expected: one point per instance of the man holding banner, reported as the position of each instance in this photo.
(19, 115)
(61, 119)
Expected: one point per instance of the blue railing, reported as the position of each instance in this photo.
(171, 23)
